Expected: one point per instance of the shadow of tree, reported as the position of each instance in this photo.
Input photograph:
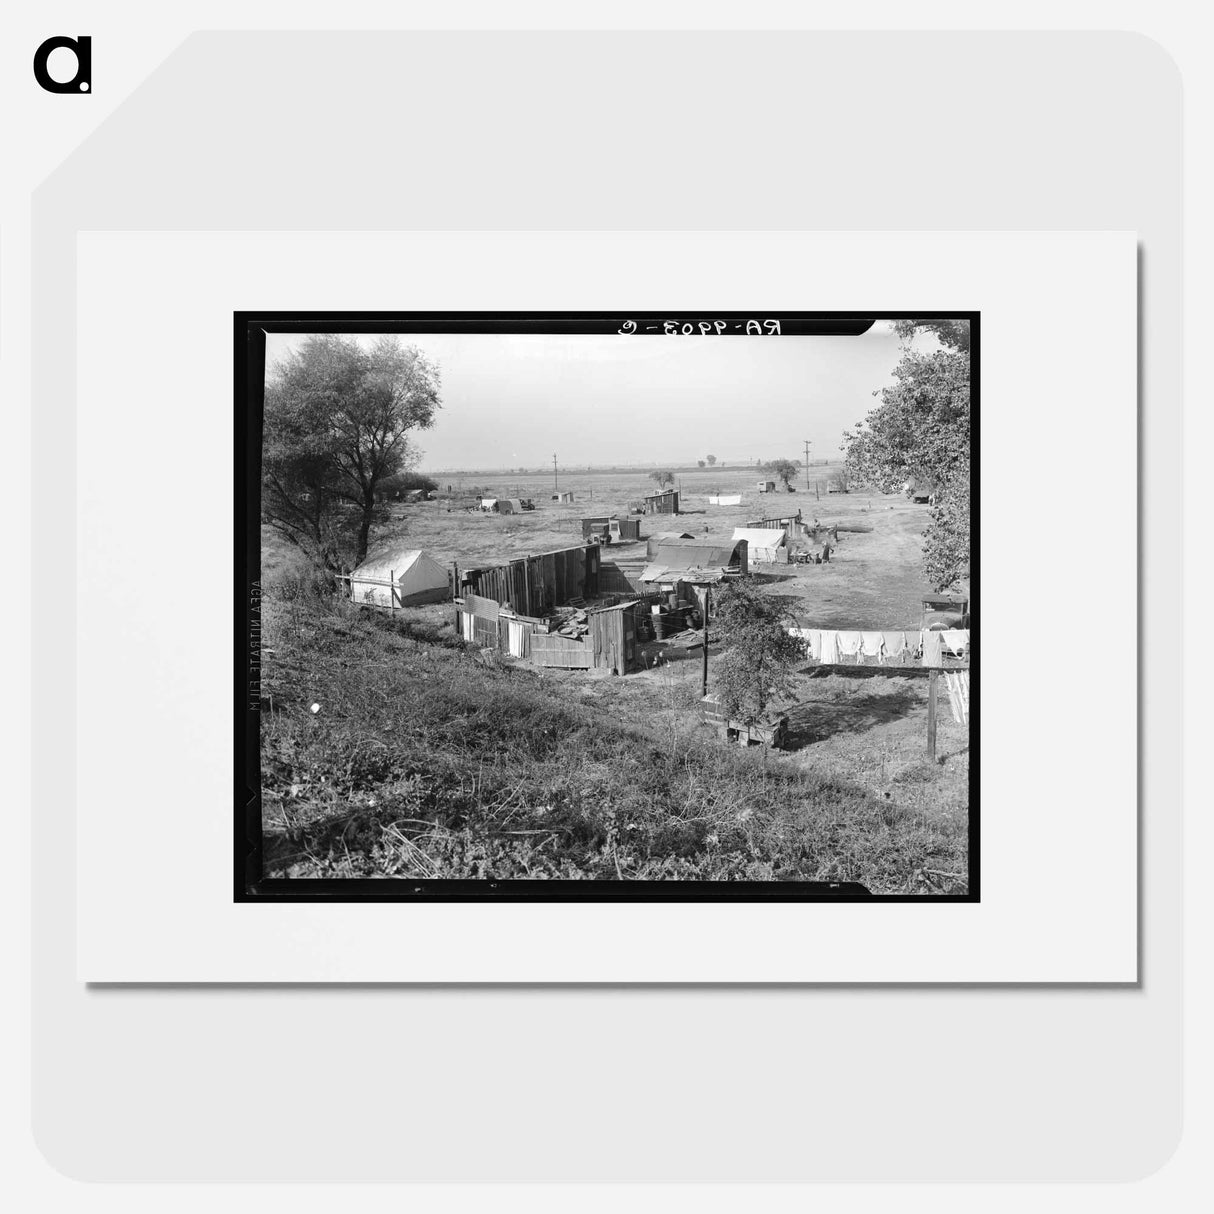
(820, 719)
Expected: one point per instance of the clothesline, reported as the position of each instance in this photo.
(828, 645)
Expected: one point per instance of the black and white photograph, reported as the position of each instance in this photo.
(597, 606)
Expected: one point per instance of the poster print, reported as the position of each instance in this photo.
(579, 606)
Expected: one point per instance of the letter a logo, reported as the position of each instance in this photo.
(82, 81)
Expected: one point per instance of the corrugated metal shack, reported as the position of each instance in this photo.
(665, 537)
(666, 502)
(691, 553)
(485, 623)
(686, 572)
(536, 585)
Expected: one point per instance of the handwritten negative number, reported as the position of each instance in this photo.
(708, 328)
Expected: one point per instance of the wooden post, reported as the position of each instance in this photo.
(932, 679)
(392, 593)
(704, 674)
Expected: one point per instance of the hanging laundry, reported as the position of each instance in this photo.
(815, 644)
(849, 643)
(871, 644)
(830, 648)
(932, 654)
(895, 645)
(957, 640)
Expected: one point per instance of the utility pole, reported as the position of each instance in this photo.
(555, 487)
(808, 444)
(704, 671)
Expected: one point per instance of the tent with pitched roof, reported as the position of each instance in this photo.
(416, 577)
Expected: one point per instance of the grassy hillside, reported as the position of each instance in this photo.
(424, 762)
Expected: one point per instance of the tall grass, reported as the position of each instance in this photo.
(422, 762)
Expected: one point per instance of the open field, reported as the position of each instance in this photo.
(421, 762)
(874, 579)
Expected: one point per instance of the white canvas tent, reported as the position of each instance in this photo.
(763, 544)
(417, 578)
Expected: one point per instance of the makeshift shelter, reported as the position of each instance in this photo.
(612, 527)
(402, 578)
(565, 496)
(686, 567)
(767, 486)
(666, 502)
(609, 643)
(508, 505)
(488, 503)
(535, 585)
(764, 545)
(662, 537)
(790, 524)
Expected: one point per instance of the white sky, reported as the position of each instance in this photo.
(513, 401)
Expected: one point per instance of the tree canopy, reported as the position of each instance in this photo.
(919, 436)
(712, 459)
(760, 655)
(662, 477)
(785, 469)
(336, 427)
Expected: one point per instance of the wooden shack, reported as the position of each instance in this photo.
(536, 585)
(666, 502)
(481, 621)
(610, 645)
(767, 486)
(790, 524)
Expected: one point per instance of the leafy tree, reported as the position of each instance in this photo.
(662, 478)
(335, 431)
(955, 334)
(785, 469)
(920, 434)
(712, 459)
(700, 462)
(402, 482)
(759, 655)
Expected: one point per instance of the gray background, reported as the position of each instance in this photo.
(565, 131)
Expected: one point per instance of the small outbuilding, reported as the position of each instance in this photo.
(666, 502)
(401, 578)
(611, 527)
(767, 486)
